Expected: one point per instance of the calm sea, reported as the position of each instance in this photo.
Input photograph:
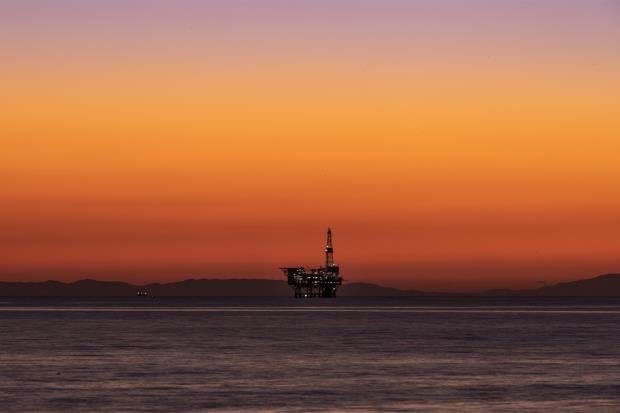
(324, 355)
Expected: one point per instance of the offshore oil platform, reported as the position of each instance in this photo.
(316, 282)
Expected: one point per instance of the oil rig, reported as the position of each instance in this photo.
(316, 282)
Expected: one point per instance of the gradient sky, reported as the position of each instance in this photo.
(451, 145)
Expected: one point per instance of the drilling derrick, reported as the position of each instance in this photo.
(329, 250)
(316, 282)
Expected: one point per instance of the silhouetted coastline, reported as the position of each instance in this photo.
(604, 285)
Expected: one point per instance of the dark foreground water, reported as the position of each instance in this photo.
(345, 354)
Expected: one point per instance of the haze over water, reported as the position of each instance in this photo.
(279, 354)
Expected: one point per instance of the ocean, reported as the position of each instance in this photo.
(413, 354)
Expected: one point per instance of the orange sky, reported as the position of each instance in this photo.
(483, 159)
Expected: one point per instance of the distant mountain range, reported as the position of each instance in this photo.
(604, 285)
(186, 288)
(607, 285)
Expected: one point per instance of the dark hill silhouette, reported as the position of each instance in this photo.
(78, 288)
(604, 285)
(191, 287)
(185, 288)
(374, 290)
(601, 286)
(217, 287)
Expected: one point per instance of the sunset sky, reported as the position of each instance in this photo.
(451, 145)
